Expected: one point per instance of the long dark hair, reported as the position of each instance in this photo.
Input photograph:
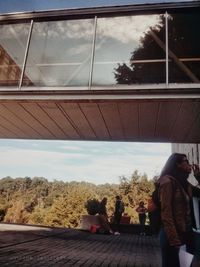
(171, 165)
(171, 168)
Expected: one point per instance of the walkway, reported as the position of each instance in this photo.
(41, 246)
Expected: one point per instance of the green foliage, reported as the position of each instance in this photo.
(37, 201)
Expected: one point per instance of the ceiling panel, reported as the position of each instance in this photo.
(57, 115)
(156, 120)
(95, 118)
(148, 116)
(186, 118)
(129, 118)
(110, 112)
(194, 133)
(26, 112)
(25, 118)
(10, 121)
(47, 126)
(167, 115)
(7, 133)
(79, 120)
(11, 128)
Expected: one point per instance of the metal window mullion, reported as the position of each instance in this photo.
(197, 149)
(167, 48)
(26, 54)
(92, 55)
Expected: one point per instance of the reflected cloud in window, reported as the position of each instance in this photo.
(121, 49)
(60, 53)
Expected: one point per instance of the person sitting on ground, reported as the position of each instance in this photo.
(141, 210)
(103, 217)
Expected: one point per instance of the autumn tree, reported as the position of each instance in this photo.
(38, 201)
(133, 190)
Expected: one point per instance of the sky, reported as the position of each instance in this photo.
(95, 162)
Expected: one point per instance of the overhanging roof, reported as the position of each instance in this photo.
(13, 10)
(155, 113)
(111, 116)
(13, 6)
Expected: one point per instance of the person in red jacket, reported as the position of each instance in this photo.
(141, 210)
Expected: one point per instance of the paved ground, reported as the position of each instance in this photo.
(41, 247)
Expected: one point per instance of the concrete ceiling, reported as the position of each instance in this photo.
(142, 120)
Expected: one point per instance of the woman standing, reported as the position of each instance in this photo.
(177, 218)
(119, 209)
(141, 210)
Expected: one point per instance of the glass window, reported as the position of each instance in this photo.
(60, 53)
(13, 40)
(130, 50)
(184, 48)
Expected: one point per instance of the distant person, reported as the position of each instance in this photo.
(154, 212)
(103, 217)
(141, 210)
(119, 209)
(150, 216)
(175, 193)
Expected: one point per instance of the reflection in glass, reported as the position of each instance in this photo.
(130, 50)
(184, 48)
(13, 40)
(60, 53)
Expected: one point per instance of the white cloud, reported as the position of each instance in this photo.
(24, 156)
(80, 49)
(97, 162)
(71, 147)
(126, 29)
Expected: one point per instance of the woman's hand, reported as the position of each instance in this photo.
(196, 171)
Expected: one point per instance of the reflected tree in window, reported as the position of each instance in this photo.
(184, 53)
(184, 48)
(116, 38)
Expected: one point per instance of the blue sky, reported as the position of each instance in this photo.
(96, 162)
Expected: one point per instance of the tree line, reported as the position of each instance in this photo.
(41, 202)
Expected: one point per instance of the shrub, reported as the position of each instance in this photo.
(92, 206)
(2, 214)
